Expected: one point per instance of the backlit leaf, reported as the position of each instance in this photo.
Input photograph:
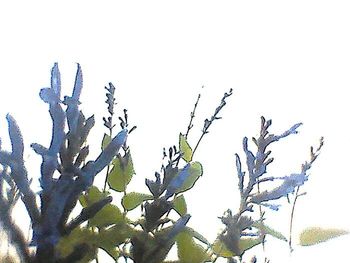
(109, 239)
(185, 148)
(314, 235)
(197, 235)
(92, 196)
(188, 250)
(121, 173)
(269, 231)
(180, 205)
(247, 243)
(77, 237)
(221, 250)
(195, 171)
(133, 200)
(105, 141)
(108, 215)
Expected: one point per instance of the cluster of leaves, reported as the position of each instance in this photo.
(150, 237)
(67, 179)
(242, 231)
(65, 175)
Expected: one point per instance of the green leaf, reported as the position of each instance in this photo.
(77, 237)
(109, 239)
(92, 196)
(221, 250)
(185, 148)
(150, 249)
(196, 170)
(108, 215)
(269, 231)
(133, 200)
(115, 235)
(121, 173)
(105, 141)
(248, 243)
(188, 250)
(314, 235)
(197, 235)
(180, 205)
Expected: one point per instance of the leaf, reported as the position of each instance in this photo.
(196, 170)
(149, 249)
(314, 235)
(180, 205)
(269, 231)
(221, 250)
(185, 148)
(248, 243)
(197, 235)
(92, 196)
(121, 173)
(108, 215)
(77, 237)
(133, 200)
(178, 181)
(115, 235)
(105, 141)
(188, 250)
(109, 239)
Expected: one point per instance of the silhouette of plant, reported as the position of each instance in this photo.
(104, 223)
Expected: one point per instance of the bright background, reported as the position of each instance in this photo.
(286, 60)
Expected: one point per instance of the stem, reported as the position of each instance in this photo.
(189, 127)
(261, 219)
(108, 166)
(208, 123)
(292, 219)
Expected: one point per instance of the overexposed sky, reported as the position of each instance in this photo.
(286, 60)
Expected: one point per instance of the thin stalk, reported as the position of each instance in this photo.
(292, 220)
(208, 123)
(108, 166)
(261, 213)
(190, 125)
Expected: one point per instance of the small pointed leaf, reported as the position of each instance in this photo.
(221, 250)
(92, 196)
(189, 251)
(133, 200)
(108, 215)
(105, 141)
(180, 205)
(269, 231)
(247, 243)
(77, 237)
(109, 239)
(185, 148)
(197, 235)
(121, 173)
(196, 170)
(314, 235)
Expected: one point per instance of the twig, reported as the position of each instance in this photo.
(190, 125)
(304, 168)
(208, 123)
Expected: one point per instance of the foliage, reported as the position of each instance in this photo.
(315, 235)
(67, 183)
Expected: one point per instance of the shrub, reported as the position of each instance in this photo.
(67, 183)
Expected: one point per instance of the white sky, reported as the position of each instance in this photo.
(286, 60)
